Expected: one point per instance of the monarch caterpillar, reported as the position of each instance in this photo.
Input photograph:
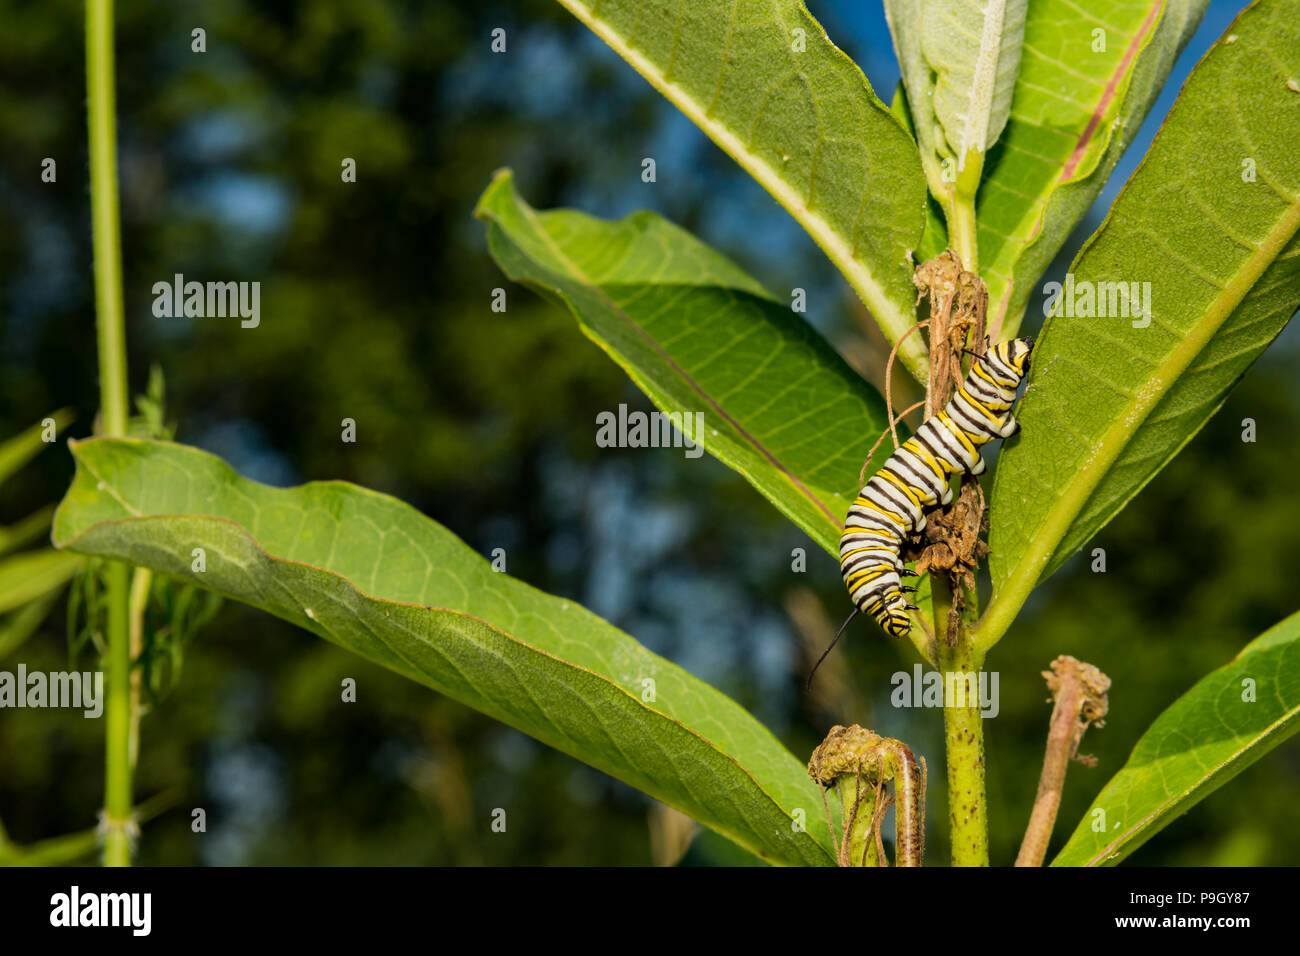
(915, 477)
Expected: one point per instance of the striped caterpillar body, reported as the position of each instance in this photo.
(915, 477)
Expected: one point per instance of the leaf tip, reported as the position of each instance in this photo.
(502, 178)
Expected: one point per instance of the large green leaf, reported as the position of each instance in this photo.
(1080, 98)
(373, 575)
(699, 335)
(767, 85)
(935, 238)
(1108, 403)
(1230, 719)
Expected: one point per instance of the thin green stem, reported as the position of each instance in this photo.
(141, 581)
(116, 823)
(73, 847)
(971, 611)
(101, 100)
(960, 211)
(961, 233)
(940, 605)
(959, 659)
(963, 727)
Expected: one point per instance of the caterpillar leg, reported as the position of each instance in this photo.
(1010, 427)
(978, 468)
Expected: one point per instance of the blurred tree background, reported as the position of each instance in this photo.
(376, 307)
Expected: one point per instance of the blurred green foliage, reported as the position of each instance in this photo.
(376, 307)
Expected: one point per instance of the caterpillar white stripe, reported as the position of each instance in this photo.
(915, 477)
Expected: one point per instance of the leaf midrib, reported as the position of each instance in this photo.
(1038, 211)
(983, 82)
(1025, 574)
(1112, 87)
(840, 251)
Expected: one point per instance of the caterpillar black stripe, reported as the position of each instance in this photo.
(915, 477)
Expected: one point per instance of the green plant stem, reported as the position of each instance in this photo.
(75, 847)
(971, 612)
(963, 723)
(960, 210)
(116, 821)
(101, 100)
(961, 233)
(111, 328)
(141, 581)
(964, 739)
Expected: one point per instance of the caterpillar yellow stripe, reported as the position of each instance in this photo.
(915, 477)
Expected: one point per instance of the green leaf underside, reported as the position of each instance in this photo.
(934, 240)
(942, 46)
(1074, 112)
(699, 335)
(972, 50)
(1206, 738)
(376, 577)
(905, 26)
(1108, 404)
(766, 84)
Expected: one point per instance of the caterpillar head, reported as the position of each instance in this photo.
(1007, 363)
(1017, 353)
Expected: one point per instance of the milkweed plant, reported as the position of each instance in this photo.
(942, 209)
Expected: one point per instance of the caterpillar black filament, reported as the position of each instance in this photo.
(915, 477)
